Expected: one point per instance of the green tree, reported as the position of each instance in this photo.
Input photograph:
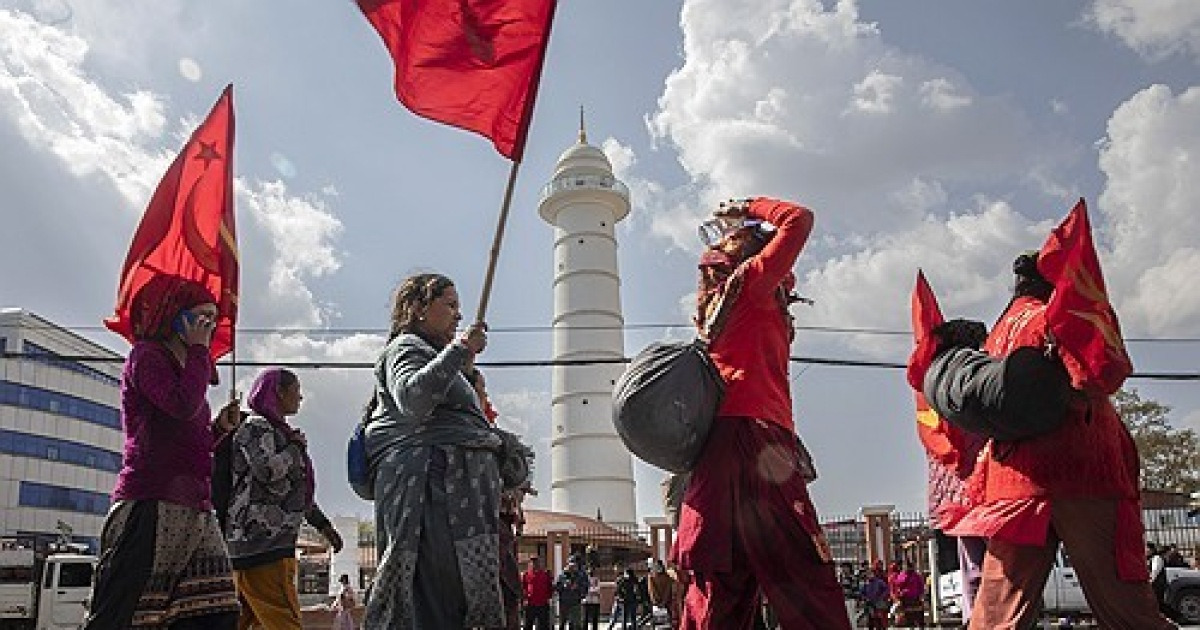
(1170, 456)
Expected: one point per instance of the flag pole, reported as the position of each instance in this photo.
(497, 239)
(517, 154)
(233, 393)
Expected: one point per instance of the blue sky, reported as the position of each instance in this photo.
(940, 135)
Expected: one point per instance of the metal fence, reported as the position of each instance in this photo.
(911, 534)
(609, 549)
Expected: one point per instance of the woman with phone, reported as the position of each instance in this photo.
(163, 562)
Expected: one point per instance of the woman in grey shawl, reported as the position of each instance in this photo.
(439, 469)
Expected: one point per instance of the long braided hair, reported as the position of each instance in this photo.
(718, 280)
(409, 302)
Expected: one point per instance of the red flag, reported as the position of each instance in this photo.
(926, 315)
(473, 64)
(1081, 319)
(188, 227)
(940, 439)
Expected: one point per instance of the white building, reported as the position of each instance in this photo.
(591, 470)
(60, 431)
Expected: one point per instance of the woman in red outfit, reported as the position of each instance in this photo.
(747, 522)
(1077, 485)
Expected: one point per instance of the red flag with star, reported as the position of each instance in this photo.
(940, 439)
(1079, 314)
(472, 64)
(188, 227)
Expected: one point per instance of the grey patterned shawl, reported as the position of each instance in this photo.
(426, 403)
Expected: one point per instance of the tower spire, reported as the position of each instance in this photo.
(582, 128)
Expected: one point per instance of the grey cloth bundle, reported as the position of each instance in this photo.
(1021, 396)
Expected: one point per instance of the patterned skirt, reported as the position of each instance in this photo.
(160, 562)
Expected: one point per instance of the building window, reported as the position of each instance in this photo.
(40, 399)
(40, 495)
(34, 352)
(56, 450)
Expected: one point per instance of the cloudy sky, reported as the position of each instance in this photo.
(941, 135)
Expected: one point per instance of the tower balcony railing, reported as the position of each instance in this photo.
(585, 182)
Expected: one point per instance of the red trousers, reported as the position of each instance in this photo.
(748, 527)
(1015, 575)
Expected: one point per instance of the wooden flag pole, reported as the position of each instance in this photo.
(497, 239)
(233, 392)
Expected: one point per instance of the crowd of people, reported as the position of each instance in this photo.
(207, 509)
(638, 601)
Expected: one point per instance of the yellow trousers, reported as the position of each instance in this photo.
(268, 596)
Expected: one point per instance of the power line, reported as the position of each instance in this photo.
(309, 364)
(343, 331)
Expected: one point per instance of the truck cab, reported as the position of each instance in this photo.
(44, 591)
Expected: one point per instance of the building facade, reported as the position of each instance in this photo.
(60, 431)
(591, 470)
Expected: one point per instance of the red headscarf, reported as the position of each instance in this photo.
(160, 300)
(264, 401)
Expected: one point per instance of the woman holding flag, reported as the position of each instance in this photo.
(163, 562)
(439, 467)
(1077, 485)
(1076, 481)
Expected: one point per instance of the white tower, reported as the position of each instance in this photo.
(591, 470)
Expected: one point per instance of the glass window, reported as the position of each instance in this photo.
(37, 353)
(75, 574)
(40, 399)
(40, 495)
(54, 449)
(16, 575)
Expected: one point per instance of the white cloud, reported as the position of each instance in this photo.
(1156, 29)
(190, 70)
(921, 196)
(1151, 159)
(787, 98)
(301, 231)
(966, 258)
(941, 94)
(876, 93)
(61, 110)
(523, 409)
(282, 164)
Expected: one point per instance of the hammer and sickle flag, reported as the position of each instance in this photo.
(471, 64)
(1081, 318)
(188, 228)
(941, 440)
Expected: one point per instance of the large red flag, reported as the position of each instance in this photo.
(1081, 318)
(473, 64)
(188, 227)
(940, 439)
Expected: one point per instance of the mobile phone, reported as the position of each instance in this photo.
(179, 324)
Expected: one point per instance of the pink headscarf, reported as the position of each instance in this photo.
(264, 401)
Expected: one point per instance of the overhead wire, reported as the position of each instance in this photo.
(310, 364)
(346, 331)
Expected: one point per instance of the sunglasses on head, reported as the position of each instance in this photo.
(715, 229)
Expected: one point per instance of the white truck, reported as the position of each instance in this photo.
(1063, 595)
(40, 591)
